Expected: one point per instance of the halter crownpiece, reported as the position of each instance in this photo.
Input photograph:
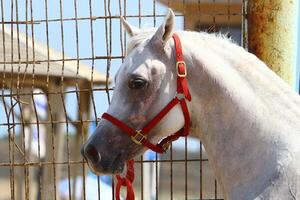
(139, 136)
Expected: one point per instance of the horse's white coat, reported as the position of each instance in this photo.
(246, 116)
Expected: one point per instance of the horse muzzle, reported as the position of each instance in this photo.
(100, 164)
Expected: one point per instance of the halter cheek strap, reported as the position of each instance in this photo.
(139, 136)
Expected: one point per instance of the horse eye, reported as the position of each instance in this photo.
(137, 83)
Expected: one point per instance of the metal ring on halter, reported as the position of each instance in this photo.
(179, 73)
(179, 96)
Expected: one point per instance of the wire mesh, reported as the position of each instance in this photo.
(58, 59)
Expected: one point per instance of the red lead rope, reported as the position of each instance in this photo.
(140, 136)
(126, 181)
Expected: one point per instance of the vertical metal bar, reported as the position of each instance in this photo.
(11, 112)
(171, 172)
(7, 112)
(27, 58)
(108, 32)
(92, 41)
(39, 145)
(120, 26)
(68, 158)
(60, 146)
(26, 170)
(93, 66)
(50, 136)
(99, 189)
(272, 36)
(60, 136)
(228, 17)
(140, 18)
(156, 177)
(108, 44)
(50, 130)
(125, 13)
(32, 88)
(3, 99)
(214, 18)
(216, 190)
(33, 46)
(46, 178)
(78, 129)
(244, 25)
(201, 169)
(185, 169)
(93, 61)
(47, 44)
(61, 143)
(18, 46)
(142, 178)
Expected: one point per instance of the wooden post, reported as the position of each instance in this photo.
(82, 129)
(272, 35)
(57, 131)
(27, 116)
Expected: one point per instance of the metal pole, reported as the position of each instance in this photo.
(272, 34)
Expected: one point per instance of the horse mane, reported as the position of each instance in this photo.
(145, 34)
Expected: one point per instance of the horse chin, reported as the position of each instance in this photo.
(116, 168)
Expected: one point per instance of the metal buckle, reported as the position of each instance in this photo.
(179, 96)
(185, 72)
(138, 138)
(166, 146)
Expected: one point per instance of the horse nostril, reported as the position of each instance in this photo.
(92, 154)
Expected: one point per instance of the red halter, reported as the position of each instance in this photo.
(139, 136)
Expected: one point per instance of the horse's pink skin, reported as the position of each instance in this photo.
(135, 118)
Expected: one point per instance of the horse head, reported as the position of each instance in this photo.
(144, 84)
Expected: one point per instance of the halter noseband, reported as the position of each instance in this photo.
(139, 136)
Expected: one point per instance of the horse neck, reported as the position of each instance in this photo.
(230, 118)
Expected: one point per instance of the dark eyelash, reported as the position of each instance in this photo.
(137, 83)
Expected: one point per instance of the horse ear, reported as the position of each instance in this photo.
(165, 31)
(131, 30)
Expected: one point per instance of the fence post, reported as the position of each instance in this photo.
(82, 130)
(272, 35)
(54, 139)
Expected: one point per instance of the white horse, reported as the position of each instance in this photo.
(246, 116)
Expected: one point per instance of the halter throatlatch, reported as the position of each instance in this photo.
(139, 136)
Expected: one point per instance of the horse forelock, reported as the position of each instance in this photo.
(139, 39)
